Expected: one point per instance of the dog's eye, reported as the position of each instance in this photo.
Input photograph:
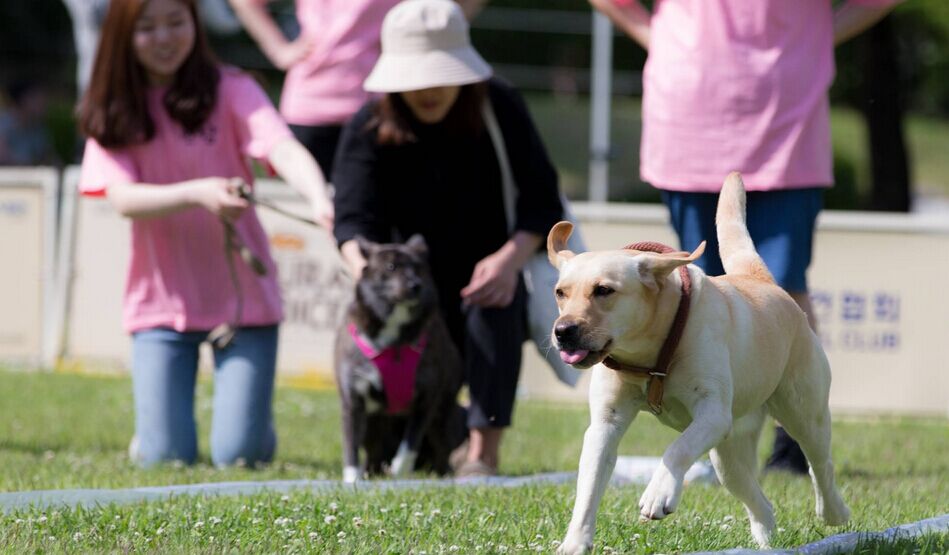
(602, 291)
(559, 293)
(390, 267)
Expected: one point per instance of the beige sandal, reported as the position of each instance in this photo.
(475, 469)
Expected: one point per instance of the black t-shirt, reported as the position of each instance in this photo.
(445, 187)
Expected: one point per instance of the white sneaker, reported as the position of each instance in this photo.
(133, 450)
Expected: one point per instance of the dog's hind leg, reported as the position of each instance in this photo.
(800, 404)
(736, 463)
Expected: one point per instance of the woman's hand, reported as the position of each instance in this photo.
(220, 196)
(323, 212)
(284, 57)
(493, 281)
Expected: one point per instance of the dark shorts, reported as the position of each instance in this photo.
(321, 141)
(781, 224)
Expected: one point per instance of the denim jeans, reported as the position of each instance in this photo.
(164, 369)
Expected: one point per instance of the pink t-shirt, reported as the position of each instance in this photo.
(738, 85)
(326, 87)
(178, 275)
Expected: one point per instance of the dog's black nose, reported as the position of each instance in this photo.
(568, 333)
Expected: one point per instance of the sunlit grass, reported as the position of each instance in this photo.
(67, 431)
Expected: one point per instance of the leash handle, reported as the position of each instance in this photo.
(246, 192)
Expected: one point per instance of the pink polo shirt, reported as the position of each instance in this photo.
(325, 88)
(178, 274)
(738, 85)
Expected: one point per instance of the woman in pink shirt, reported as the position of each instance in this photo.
(170, 137)
(326, 64)
(742, 85)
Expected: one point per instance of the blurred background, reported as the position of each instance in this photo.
(890, 117)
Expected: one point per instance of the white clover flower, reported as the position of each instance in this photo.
(77, 536)
(256, 521)
(198, 524)
(160, 531)
(728, 518)
(341, 535)
(436, 512)
(313, 535)
(554, 543)
(357, 521)
(725, 526)
(636, 537)
(333, 506)
(214, 520)
(403, 505)
(283, 521)
(329, 519)
(383, 510)
(43, 519)
(417, 513)
(538, 537)
(51, 538)
(285, 498)
(453, 548)
(502, 549)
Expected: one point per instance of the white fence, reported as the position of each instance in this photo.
(877, 285)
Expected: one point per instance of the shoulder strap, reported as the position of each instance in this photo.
(500, 150)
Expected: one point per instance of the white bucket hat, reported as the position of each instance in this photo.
(425, 44)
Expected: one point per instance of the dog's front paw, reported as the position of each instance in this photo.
(661, 496)
(350, 474)
(574, 546)
(404, 462)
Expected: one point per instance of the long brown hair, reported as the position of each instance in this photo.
(391, 116)
(114, 109)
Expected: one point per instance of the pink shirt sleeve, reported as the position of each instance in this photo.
(258, 123)
(874, 3)
(102, 167)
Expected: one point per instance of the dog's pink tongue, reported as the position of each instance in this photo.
(573, 357)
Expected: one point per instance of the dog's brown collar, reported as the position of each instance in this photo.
(658, 374)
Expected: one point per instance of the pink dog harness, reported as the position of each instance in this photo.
(397, 365)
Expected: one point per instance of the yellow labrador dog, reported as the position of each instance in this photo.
(746, 351)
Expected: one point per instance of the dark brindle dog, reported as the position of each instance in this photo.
(397, 370)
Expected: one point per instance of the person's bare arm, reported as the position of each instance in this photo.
(632, 18)
(294, 163)
(852, 19)
(218, 195)
(494, 279)
(261, 26)
(471, 7)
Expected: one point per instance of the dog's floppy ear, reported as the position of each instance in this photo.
(365, 246)
(418, 245)
(655, 267)
(557, 251)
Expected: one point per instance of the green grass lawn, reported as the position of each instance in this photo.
(68, 431)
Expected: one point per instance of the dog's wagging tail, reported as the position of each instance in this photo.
(736, 248)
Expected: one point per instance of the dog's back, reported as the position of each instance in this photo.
(736, 248)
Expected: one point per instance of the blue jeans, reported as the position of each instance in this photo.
(781, 225)
(164, 369)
